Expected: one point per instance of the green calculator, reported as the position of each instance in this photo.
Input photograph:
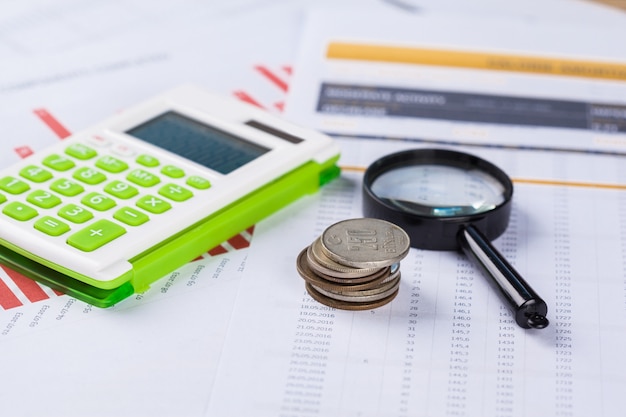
(106, 212)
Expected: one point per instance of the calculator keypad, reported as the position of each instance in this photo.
(93, 197)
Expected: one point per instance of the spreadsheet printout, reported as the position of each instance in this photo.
(447, 345)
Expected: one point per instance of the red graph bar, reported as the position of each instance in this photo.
(275, 79)
(243, 96)
(238, 242)
(30, 288)
(7, 298)
(52, 123)
(23, 151)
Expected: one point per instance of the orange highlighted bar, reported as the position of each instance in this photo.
(477, 60)
(532, 181)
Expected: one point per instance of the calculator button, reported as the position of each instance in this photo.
(43, 199)
(80, 151)
(147, 161)
(51, 226)
(58, 162)
(121, 190)
(89, 175)
(96, 235)
(13, 186)
(130, 216)
(143, 178)
(19, 211)
(153, 204)
(98, 141)
(172, 171)
(98, 201)
(75, 214)
(123, 150)
(35, 173)
(175, 192)
(198, 182)
(2, 198)
(66, 187)
(108, 163)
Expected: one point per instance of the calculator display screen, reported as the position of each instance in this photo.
(198, 142)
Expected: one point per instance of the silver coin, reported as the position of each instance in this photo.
(365, 243)
(345, 271)
(373, 294)
(352, 276)
(346, 305)
(307, 273)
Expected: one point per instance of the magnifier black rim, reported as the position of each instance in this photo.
(429, 231)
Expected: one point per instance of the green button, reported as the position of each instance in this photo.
(80, 151)
(89, 175)
(172, 171)
(35, 173)
(66, 187)
(43, 199)
(96, 235)
(175, 192)
(121, 189)
(130, 216)
(108, 163)
(143, 178)
(2, 198)
(198, 182)
(51, 226)
(153, 204)
(98, 201)
(58, 162)
(147, 161)
(75, 214)
(13, 186)
(19, 211)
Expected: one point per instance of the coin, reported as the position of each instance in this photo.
(310, 276)
(340, 270)
(347, 305)
(354, 264)
(365, 243)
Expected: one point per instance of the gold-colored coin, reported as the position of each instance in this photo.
(365, 296)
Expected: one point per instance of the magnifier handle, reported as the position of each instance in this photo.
(530, 310)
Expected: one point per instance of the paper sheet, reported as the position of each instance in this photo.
(447, 345)
(463, 79)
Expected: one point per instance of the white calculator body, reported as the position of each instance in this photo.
(111, 209)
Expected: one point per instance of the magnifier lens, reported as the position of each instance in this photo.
(447, 200)
(439, 190)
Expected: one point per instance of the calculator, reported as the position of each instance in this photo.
(106, 212)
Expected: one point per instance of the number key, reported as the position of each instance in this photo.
(75, 214)
(98, 201)
(35, 173)
(121, 190)
(66, 187)
(13, 186)
(58, 162)
(89, 175)
(43, 199)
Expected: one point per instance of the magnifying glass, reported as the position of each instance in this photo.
(446, 200)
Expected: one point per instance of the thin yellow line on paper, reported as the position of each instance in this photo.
(580, 184)
(477, 60)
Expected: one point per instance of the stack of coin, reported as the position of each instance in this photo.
(355, 264)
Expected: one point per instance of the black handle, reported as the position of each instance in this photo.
(530, 310)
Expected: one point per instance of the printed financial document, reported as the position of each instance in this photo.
(447, 344)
